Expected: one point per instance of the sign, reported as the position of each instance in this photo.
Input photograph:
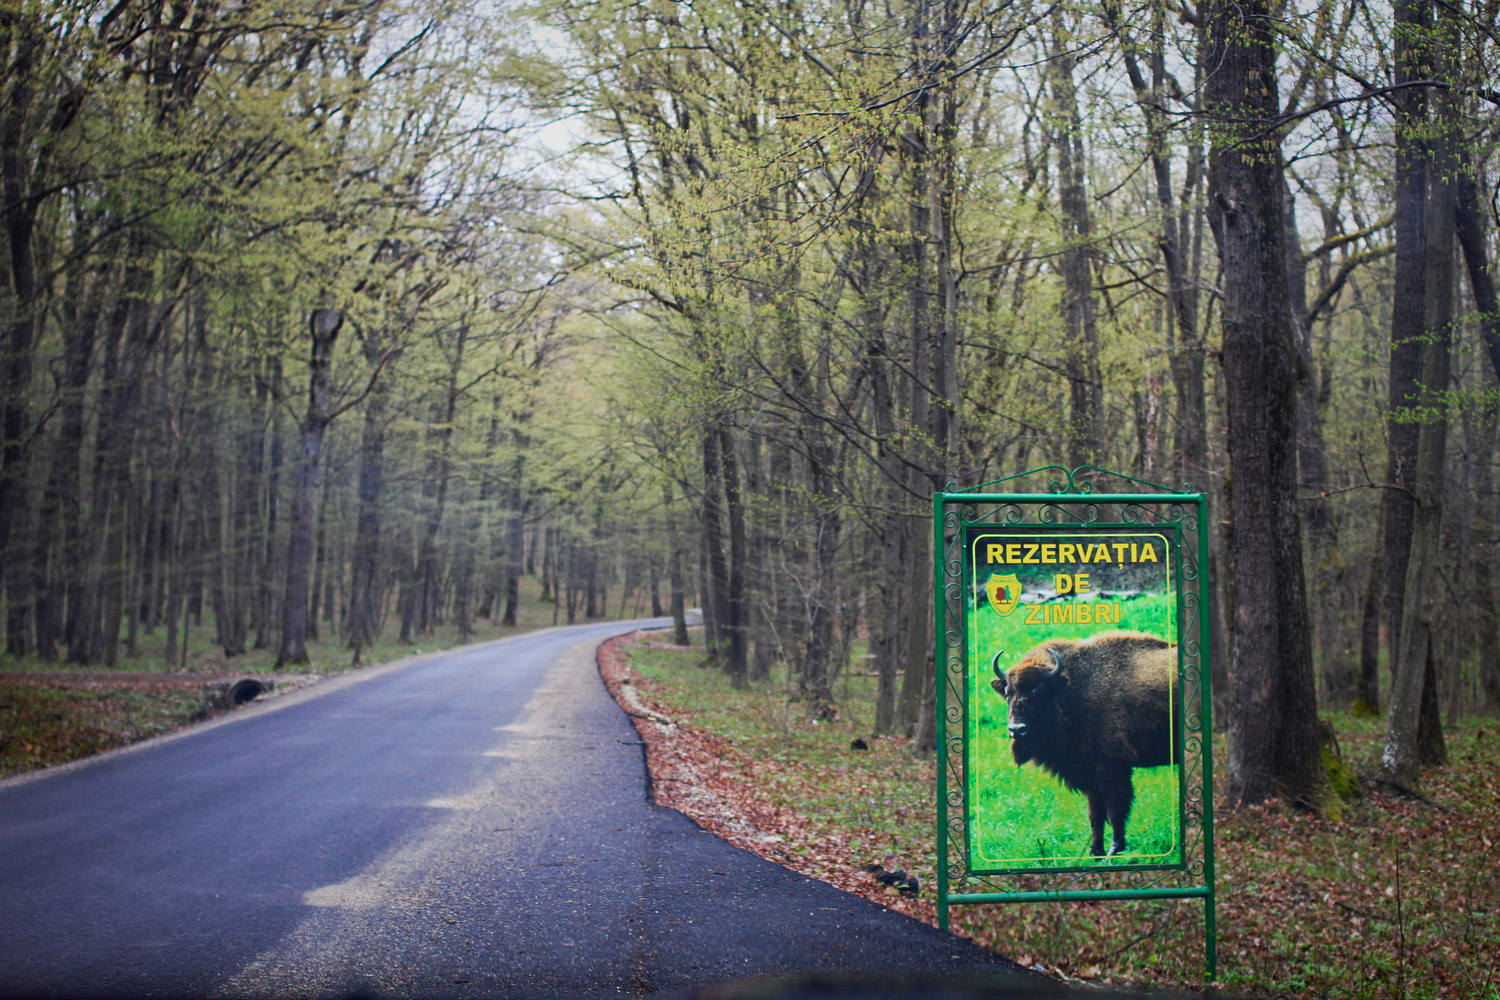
(1074, 718)
(1103, 605)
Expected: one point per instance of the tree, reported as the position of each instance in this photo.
(1414, 729)
(323, 326)
(1273, 743)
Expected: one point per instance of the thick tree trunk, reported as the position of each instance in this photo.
(723, 509)
(916, 634)
(1273, 740)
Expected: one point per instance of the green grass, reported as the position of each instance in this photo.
(1023, 817)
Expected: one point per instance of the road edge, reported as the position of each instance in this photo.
(274, 702)
(673, 783)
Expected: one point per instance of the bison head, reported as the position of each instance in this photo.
(1032, 690)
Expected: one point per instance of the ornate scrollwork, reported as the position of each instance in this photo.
(1081, 480)
(1072, 497)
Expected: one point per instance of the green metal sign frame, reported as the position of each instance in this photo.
(1072, 508)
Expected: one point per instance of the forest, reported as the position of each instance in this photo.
(350, 317)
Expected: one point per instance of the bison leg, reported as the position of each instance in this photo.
(1097, 813)
(1118, 794)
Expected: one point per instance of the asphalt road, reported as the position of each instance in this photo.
(472, 824)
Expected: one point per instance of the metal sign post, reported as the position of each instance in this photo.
(1073, 704)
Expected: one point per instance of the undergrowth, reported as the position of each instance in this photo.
(42, 725)
(53, 711)
(1399, 900)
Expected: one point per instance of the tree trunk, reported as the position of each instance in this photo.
(427, 582)
(818, 667)
(270, 388)
(93, 626)
(1186, 348)
(515, 532)
(363, 623)
(715, 563)
(675, 572)
(1469, 223)
(1413, 24)
(1367, 682)
(1081, 339)
(1273, 739)
(737, 600)
(18, 213)
(320, 561)
(761, 546)
(81, 315)
(1326, 575)
(1486, 603)
(1414, 727)
(323, 327)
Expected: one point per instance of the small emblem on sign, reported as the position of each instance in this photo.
(1004, 592)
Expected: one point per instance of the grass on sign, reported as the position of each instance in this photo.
(1399, 900)
(1023, 817)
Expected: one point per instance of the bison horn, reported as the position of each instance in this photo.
(1057, 663)
(999, 682)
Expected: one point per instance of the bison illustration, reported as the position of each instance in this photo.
(1090, 711)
